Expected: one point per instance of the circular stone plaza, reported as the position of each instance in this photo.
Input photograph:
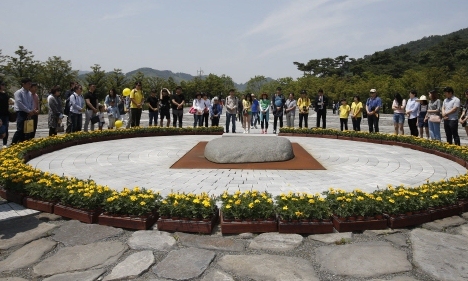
(41, 246)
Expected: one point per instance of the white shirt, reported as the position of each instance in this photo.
(412, 105)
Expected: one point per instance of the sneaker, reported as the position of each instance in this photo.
(5, 146)
(274, 132)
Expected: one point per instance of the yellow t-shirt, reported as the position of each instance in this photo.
(355, 108)
(344, 111)
(247, 105)
(301, 103)
(137, 96)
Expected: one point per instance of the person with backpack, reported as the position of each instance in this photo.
(66, 109)
(231, 110)
(278, 108)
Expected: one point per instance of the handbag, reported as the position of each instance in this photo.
(434, 118)
(28, 126)
(12, 116)
(192, 110)
(94, 119)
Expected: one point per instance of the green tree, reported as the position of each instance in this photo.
(254, 85)
(116, 80)
(22, 65)
(57, 71)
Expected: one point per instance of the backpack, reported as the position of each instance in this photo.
(66, 110)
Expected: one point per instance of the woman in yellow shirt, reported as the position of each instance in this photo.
(356, 113)
(344, 113)
(247, 112)
(303, 104)
(136, 104)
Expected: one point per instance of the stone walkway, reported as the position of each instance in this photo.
(146, 162)
(45, 247)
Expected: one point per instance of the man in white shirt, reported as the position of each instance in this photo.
(77, 106)
(24, 108)
(450, 109)
(412, 107)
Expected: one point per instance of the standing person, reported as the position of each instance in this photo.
(356, 113)
(215, 112)
(334, 107)
(24, 107)
(373, 105)
(434, 116)
(55, 114)
(91, 106)
(153, 104)
(464, 116)
(290, 110)
(112, 102)
(36, 105)
(398, 106)
(178, 101)
(247, 112)
(278, 109)
(320, 105)
(4, 111)
(67, 95)
(264, 112)
(100, 114)
(128, 111)
(231, 110)
(240, 110)
(344, 114)
(255, 111)
(450, 108)
(422, 120)
(136, 104)
(412, 112)
(206, 110)
(164, 107)
(303, 103)
(77, 106)
(199, 107)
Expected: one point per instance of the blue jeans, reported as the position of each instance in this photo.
(230, 118)
(197, 120)
(434, 131)
(19, 135)
(6, 122)
(253, 121)
(153, 115)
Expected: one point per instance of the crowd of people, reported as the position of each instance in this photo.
(424, 114)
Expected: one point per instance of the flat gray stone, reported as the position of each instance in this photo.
(247, 235)
(381, 231)
(210, 243)
(465, 216)
(398, 278)
(13, 279)
(462, 230)
(184, 264)
(81, 257)
(132, 267)
(332, 237)
(440, 225)
(74, 233)
(397, 239)
(217, 275)
(27, 255)
(48, 217)
(18, 232)
(151, 239)
(276, 242)
(90, 275)
(369, 259)
(254, 149)
(441, 255)
(268, 267)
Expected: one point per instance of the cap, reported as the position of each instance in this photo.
(373, 90)
(423, 97)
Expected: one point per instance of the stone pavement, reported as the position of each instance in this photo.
(146, 162)
(46, 247)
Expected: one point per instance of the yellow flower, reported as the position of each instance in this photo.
(237, 202)
(298, 214)
(228, 206)
(257, 201)
(164, 202)
(196, 201)
(285, 207)
(142, 203)
(348, 200)
(269, 200)
(251, 205)
(133, 198)
(391, 201)
(311, 201)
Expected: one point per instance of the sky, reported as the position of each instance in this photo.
(238, 38)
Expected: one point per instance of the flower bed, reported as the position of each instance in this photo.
(240, 210)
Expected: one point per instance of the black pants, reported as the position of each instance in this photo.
(19, 135)
(206, 116)
(305, 117)
(412, 124)
(451, 131)
(6, 122)
(136, 116)
(373, 122)
(356, 123)
(344, 123)
(322, 114)
(52, 131)
(215, 121)
(275, 122)
(264, 122)
(77, 121)
(69, 123)
(177, 115)
(33, 134)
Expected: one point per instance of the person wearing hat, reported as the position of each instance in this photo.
(303, 104)
(412, 107)
(373, 105)
(464, 115)
(450, 108)
(320, 105)
(264, 112)
(199, 107)
(422, 120)
(215, 112)
(4, 111)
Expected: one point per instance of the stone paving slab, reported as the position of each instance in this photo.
(151, 239)
(14, 234)
(217, 275)
(210, 243)
(440, 225)
(77, 233)
(276, 242)
(330, 238)
(133, 266)
(89, 275)
(27, 255)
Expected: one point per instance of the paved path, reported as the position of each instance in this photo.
(146, 162)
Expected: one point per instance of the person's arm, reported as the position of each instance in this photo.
(20, 103)
(107, 101)
(74, 104)
(454, 109)
(379, 105)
